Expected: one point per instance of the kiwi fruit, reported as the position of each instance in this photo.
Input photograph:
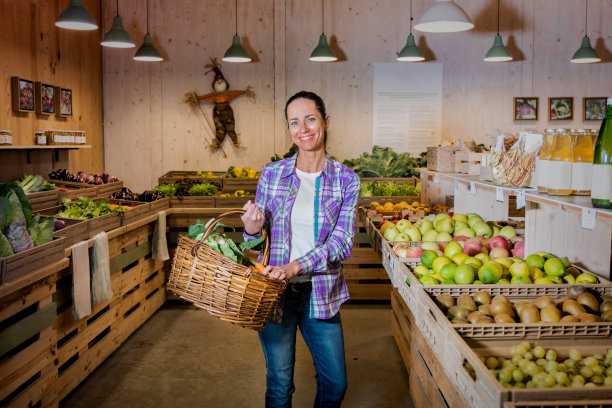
(445, 301)
(466, 302)
(503, 318)
(482, 297)
(485, 310)
(475, 316)
(588, 317)
(605, 306)
(485, 320)
(550, 314)
(572, 307)
(606, 298)
(501, 307)
(519, 305)
(607, 316)
(589, 301)
(529, 314)
(457, 311)
(501, 297)
(569, 319)
(543, 301)
(561, 300)
(574, 291)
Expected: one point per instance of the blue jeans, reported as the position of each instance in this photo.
(324, 339)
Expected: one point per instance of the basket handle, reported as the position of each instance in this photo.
(211, 227)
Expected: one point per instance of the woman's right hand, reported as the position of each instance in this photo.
(253, 218)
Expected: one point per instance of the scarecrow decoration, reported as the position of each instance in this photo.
(223, 115)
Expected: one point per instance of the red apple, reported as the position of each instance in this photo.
(499, 241)
(472, 246)
(516, 239)
(499, 252)
(460, 238)
(483, 241)
(414, 252)
(519, 249)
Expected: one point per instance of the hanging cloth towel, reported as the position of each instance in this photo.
(100, 270)
(160, 246)
(81, 290)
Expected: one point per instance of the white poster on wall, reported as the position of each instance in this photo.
(407, 111)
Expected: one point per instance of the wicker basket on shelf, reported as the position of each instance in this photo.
(221, 286)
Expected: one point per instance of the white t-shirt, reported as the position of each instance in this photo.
(302, 219)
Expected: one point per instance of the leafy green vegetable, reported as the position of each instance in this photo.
(26, 208)
(203, 189)
(168, 190)
(41, 231)
(5, 247)
(384, 162)
(86, 208)
(388, 189)
(34, 184)
(6, 208)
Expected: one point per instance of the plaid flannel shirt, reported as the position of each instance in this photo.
(339, 192)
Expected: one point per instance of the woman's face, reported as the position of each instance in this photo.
(306, 126)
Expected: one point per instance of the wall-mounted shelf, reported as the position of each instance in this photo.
(569, 203)
(55, 148)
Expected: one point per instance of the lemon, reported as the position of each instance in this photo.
(554, 267)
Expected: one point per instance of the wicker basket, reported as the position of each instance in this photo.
(224, 288)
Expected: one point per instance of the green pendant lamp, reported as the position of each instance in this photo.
(147, 51)
(117, 37)
(498, 53)
(322, 52)
(76, 17)
(410, 52)
(236, 52)
(444, 16)
(585, 54)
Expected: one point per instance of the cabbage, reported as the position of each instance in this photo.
(6, 208)
(17, 231)
(5, 247)
(41, 232)
(26, 208)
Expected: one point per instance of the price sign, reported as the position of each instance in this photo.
(436, 178)
(520, 200)
(499, 194)
(588, 218)
(472, 188)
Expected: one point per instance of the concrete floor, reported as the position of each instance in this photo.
(183, 357)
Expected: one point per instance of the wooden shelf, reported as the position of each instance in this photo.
(43, 147)
(569, 203)
(465, 179)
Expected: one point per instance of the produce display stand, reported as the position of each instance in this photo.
(85, 189)
(182, 175)
(26, 262)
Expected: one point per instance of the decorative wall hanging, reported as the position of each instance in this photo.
(561, 108)
(22, 91)
(44, 98)
(223, 115)
(526, 108)
(594, 108)
(63, 101)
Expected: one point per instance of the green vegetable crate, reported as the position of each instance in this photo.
(27, 262)
(105, 222)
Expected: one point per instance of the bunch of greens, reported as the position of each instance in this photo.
(221, 243)
(86, 208)
(388, 189)
(168, 190)
(384, 162)
(34, 184)
(203, 189)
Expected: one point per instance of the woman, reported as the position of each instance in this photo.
(307, 203)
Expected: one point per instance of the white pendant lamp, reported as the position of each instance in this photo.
(497, 52)
(444, 16)
(236, 52)
(323, 52)
(147, 51)
(410, 52)
(585, 54)
(117, 37)
(76, 17)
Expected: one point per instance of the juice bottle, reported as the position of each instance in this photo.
(582, 166)
(559, 178)
(601, 191)
(542, 160)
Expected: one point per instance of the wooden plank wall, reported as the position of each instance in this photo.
(34, 48)
(144, 116)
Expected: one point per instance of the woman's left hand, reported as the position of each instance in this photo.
(287, 271)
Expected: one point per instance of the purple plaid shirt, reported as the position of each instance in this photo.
(339, 192)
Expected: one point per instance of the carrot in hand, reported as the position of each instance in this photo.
(260, 267)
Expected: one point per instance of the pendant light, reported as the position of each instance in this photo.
(236, 52)
(147, 51)
(322, 52)
(117, 37)
(444, 16)
(76, 17)
(410, 52)
(497, 52)
(585, 54)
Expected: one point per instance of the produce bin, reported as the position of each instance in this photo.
(23, 263)
(105, 223)
(231, 184)
(399, 180)
(43, 199)
(137, 210)
(75, 230)
(160, 205)
(192, 202)
(73, 190)
(181, 175)
(232, 202)
(107, 189)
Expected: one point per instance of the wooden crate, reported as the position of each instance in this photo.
(192, 202)
(75, 190)
(160, 205)
(366, 201)
(43, 199)
(73, 232)
(179, 176)
(399, 180)
(365, 276)
(27, 262)
(28, 342)
(107, 189)
(138, 210)
(231, 184)
(467, 162)
(441, 158)
(137, 282)
(232, 202)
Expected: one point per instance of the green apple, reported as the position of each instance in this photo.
(444, 237)
(428, 280)
(390, 233)
(508, 231)
(495, 231)
(535, 261)
(481, 256)
(543, 281)
(424, 225)
(401, 237)
(430, 245)
(452, 248)
(421, 270)
(460, 224)
(482, 228)
(444, 225)
(476, 263)
(473, 219)
(507, 262)
(439, 262)
(414, 233)
(460, 217)
(586, 278)
(490, 272)
(430, 235)
(519, 269)
(503, 281)
(520, 280)
(448, 271)
(439, 217)
(466, 232)
(464, 274)
(458, 258)
(402, 224)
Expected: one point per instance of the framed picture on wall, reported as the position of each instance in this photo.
(561, 108)
(594, 108)
(45, 98)
(63, 101)
(22, 91)
(526, 108)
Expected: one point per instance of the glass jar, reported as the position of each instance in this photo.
(582, 166)
(560, 164)
(5, 137)
(40, 138)
(543, 159)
